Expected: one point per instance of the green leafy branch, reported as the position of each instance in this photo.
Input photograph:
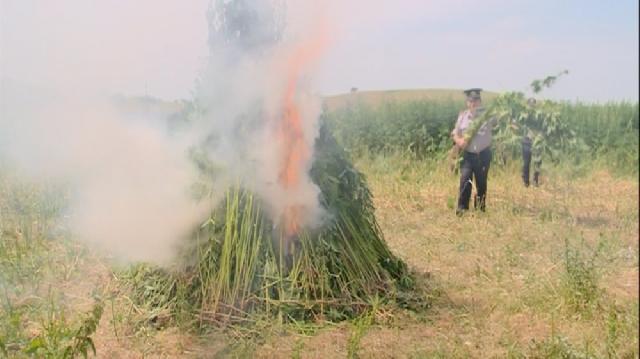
(538, 85)
(514, 118)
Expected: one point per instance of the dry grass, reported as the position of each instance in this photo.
(499, 277)
(502, 271)
(499, 280)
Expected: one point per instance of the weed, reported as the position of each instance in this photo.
(557, 347)
(581, 277)
(81, 337)
(297, 349)
(60, 340)
(359, 327)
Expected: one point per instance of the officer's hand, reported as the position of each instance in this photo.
(460, 142)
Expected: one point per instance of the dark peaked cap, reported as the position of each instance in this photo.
(473, 93)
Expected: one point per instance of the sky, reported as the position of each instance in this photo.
(158, 48)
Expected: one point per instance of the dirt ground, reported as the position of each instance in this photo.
(546, 272)
(497, 280)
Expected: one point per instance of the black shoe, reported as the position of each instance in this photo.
(479, 204)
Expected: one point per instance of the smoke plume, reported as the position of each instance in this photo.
(254, 119)
(255, 99)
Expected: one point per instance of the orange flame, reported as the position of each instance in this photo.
(292, 136)
(296, 151)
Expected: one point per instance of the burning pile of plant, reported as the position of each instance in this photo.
(241, 262)
(294, 233)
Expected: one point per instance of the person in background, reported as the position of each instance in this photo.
(476, 153)
(527, 145)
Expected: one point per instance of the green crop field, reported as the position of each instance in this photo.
(418, 123)
(376, 98)
(546, 272)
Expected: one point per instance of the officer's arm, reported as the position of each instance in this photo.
(459, 140)
(456, 134)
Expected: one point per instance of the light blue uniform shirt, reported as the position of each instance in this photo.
(482, 140)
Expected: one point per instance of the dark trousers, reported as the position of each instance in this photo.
(526, 164)
(474, 166)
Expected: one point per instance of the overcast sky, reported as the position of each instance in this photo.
(157, 47)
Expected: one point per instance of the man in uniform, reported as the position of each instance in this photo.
(476, 153)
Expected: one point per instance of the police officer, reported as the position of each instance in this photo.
(527, 151)
(476, 154)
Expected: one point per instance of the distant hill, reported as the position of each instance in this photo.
(141, 104)
(375, 98)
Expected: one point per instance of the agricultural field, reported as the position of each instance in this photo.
(376, 123)
(375, 98)
(546, 272)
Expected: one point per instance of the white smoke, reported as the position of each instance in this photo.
(130, 176)
(255, 50)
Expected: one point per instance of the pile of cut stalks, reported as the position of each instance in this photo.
(239, 265)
